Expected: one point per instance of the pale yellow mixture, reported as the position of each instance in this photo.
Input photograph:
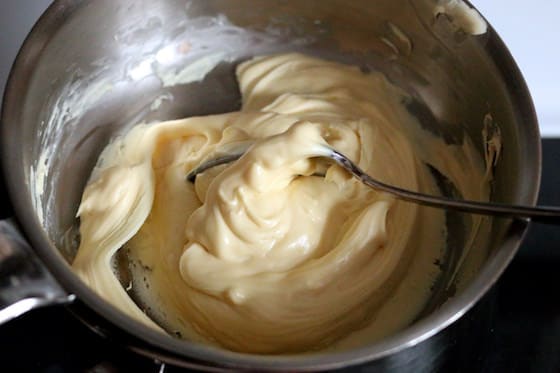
(280, 251)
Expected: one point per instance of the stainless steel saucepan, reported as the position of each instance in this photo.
(92, 69)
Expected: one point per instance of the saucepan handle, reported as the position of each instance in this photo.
(25, 282)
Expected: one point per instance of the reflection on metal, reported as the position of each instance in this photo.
(25, 283)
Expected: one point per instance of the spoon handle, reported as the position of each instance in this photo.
(539, 214)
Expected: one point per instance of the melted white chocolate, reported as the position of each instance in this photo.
(263, 255)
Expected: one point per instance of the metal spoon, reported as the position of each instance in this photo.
(540, 214)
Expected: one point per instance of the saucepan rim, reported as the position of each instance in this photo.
(167, 348)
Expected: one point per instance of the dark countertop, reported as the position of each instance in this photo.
(524, 334)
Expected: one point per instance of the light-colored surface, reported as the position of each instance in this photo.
(16, 19)
(530, 30)
(262, 256)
